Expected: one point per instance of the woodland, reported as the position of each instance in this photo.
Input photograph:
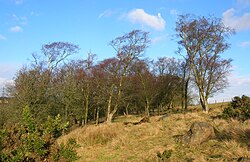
(54, 92)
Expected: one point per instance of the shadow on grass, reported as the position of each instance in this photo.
(239, 135)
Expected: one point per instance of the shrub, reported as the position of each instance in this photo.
(165, 155)
(29, 141)
(239, 108)
(67, 151)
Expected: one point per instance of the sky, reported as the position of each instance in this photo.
(26, 25)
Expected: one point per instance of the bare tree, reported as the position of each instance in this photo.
(35, 85)
(204, 39)
(169, 79)
(57, 52)
(147, 81)
(88, 65)
(128, 47)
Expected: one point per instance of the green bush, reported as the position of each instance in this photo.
(239, 108)
(67, 152)
(29, 141)
(164, 156)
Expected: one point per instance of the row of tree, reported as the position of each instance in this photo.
(83, 90)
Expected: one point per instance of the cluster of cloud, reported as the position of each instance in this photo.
(231, 18)
(244, 3)
(174, 12)
(16, 29)
(18, 2)
(2, 37)
(19, 21)
(239, 23)
(106, 13)
(245, 44)
(159, 38)
(8, 70)
(239, 85)
(139, 16)
(5, 82)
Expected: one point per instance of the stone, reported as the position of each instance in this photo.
(164, 117)
(199, 132)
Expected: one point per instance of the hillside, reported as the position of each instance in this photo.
(142, 142)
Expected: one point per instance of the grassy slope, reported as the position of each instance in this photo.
(117, 142)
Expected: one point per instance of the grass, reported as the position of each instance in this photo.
(145, 142)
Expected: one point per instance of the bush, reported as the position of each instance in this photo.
(239, 108)
(67, 152)
(29, 141)
(164, 156)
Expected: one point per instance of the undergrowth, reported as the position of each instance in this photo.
(29, 141)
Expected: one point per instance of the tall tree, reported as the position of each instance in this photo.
(146, 82)
(204, 40)
(88, 65)
(56, 52)
(186, 76)
(34, 84)
(128, 47)
(169, 76)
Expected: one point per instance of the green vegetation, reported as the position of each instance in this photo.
(83, 90)
(28, 141)
(165, 155)
(239, 108)
(58, 93)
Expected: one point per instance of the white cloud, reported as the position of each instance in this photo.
(33, 13)
(141, 17)
(22, 20)
(245, 44)
(18, 2)
(243, 2)
(16, 29)
(4, 82)
(239, 23)
(239, 85)
(159, 38)
(239, 80)
(7, 73)
(106, 13)
(2, 37)
(174, 12)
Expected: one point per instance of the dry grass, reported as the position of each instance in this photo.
(117, 142)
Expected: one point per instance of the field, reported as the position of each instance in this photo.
(147, 141)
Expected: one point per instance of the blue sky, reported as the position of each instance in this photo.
(25, 25)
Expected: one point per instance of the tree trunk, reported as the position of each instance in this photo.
(186, 94)
(97, 115)
(111, 114)
(109, 104)
(127, 109)
(109, 118)
(86, 109)
(147, 107)
(204, 104)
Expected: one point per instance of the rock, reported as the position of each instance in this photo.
(199, 132)
(145, 119)
(163, 117)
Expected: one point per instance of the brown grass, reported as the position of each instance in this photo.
(119, 142)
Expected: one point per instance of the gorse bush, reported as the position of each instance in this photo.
(239, 108)
(54, 126)
(29, 141)
(67, 151)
